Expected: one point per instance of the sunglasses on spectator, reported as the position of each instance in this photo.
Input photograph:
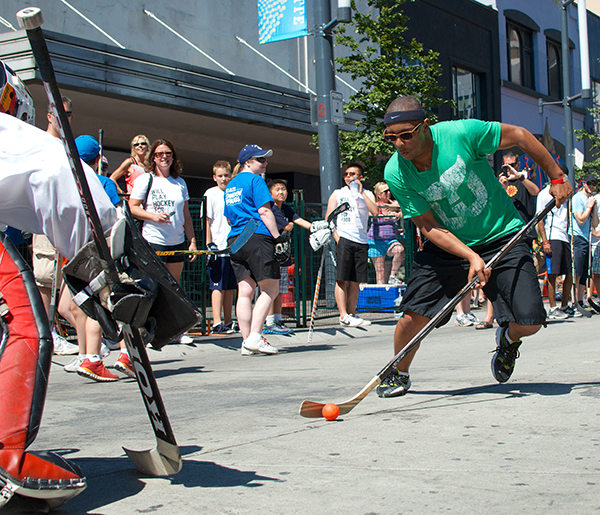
(352, 174)
(260, 159)
(163, 154)
(384, 191)
(140, 143)
(592, 183)
(404, 136)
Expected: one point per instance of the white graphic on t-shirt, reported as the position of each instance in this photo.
(445, 201)
(233, 196)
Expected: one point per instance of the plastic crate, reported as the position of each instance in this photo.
(379, 297)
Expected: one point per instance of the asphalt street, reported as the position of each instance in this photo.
(457, 443)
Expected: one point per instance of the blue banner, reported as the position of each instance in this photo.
(281, 19)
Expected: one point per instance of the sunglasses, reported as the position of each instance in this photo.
(260, 159)
(593, 184)
(384, 191)
(163, 154)
(69, 113)
(351, 174)
(404, 136)
(141, 143)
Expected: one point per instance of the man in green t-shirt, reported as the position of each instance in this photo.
(443, 182)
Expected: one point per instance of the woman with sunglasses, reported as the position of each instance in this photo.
(133, 166)
(383, 235)
(166, 216)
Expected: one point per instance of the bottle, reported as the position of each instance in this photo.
(354, 188)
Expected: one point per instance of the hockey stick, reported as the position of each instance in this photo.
(315, 299)
(240, 241)
(165, 458)
(56, 283)
(332, 216)
(101, 145)
(579, 308)
(312, 409)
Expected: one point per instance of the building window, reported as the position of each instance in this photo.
(554, 69)
(466, 93)
(520, 55)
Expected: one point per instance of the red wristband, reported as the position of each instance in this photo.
(544, 242)
(564, 178)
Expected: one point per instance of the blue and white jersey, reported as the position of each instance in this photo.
(244, 194)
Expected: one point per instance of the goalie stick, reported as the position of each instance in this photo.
(310, 409)
(332, 216)
(239, 242)
(165, 458)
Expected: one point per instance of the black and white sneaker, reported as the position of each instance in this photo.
(507, 352)
(394, 385)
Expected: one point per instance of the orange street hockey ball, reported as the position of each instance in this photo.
(330, 411)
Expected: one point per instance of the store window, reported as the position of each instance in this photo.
(466, 93)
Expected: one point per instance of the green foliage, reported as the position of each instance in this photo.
(589, 166)
(389, 67)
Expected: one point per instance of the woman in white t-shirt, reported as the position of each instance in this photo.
(166, 216)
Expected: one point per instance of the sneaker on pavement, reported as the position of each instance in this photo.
(74, 364)
(220, 328)
(184, 339)
(246, 352)
(503, 361)
(557, 314)
(261, 345)
(394, 280)
(96, 371)
(281, 325)
(472, 317)
(571, 311)
(62, 347)
(232, 327)
(394, 385)
(275, 329)
(125, 365)
(463, 320)
(349, 321)
(362, 321)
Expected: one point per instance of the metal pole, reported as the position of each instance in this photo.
(329, 145)
(566, 78)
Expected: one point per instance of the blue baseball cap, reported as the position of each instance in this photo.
(88, 147)
(252, 151)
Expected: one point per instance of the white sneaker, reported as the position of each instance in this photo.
(557, 313)
(62, 347)
(261, 345)
(246, 352)
(394, 280)
(73, 365)
(349, 321)
(362, 321)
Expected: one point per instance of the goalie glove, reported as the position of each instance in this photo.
(319, 225)
(283, 247)
(211, 258)
(319, 238)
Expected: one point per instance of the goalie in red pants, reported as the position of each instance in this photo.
(37, 194)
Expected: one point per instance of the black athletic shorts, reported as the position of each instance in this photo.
(255, 259)
(352, 260)
(581, 253)
(560, 261)
(175, 258)
(513, 288)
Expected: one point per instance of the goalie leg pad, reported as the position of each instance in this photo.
(25, 356)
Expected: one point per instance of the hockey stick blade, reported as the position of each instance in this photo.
(165, 458)
(593, 304)
(240, 241)
(338, 210)
(310, 409)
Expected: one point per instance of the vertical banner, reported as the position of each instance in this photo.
(281, 19)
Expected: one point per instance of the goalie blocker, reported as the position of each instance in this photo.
(25, 357)
(147, 297)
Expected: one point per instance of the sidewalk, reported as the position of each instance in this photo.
(457, 443)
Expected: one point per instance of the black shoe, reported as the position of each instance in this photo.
(394, 385)
(503, 361)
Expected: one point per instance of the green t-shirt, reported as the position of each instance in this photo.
(460, 188)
